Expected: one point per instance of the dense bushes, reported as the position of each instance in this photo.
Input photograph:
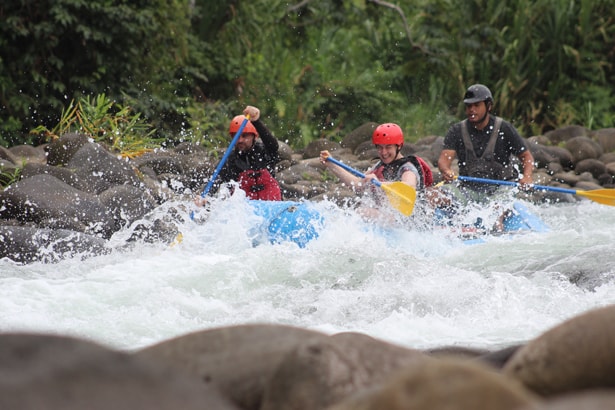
(55, 51)
(316, 69)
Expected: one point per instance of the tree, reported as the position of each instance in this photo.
(54, 51)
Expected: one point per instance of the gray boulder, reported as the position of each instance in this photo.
(606, 138)
(43, 197)
(27, 244)
(323, 371)
(443, 384)
(591, 165)
(126, 204)
(101, 169)
(583, 148)
(359, 135)
(29, 154)
(563, 134)
(62, 149)
(63, 373)
(575, 355)
(238, 360)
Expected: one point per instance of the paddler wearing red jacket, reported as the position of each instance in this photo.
(252, 162)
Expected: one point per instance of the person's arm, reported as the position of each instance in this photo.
(409, 178)
(357, 184)
(269, 141)
(527, 160)
(445, 164)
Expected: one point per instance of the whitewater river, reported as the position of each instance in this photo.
(417, 289)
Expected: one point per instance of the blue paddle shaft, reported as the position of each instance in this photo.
(224, 158)
(512, 183)
(352, 170)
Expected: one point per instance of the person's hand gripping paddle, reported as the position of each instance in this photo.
(401, 196)
(211, 181)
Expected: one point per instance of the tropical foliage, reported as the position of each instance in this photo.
(107, 123)
(55, 51)
(316, 69)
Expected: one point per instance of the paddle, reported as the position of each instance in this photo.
(211, 181)
(603, 196)
(401, 196)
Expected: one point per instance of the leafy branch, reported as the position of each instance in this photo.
(8, 177)
(106, 122)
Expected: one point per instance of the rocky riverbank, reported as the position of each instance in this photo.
(73, 195)
(277, 367)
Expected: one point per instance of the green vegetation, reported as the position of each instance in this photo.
(316, 69)
(107, 123)
(9, 176)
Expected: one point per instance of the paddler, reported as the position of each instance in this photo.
(392, 165)
(252, 162)
(484, 146)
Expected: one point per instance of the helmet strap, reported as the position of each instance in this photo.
(483, 119)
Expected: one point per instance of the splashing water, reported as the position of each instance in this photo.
(420, 289)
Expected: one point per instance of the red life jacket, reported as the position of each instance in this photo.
(423, 168)
(260, 184)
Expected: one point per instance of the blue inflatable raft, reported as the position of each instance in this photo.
(285, 221)
(300, 222)
(519, 221)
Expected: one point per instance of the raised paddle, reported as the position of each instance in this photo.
(602, 196)
(211, 181)
(401, 196)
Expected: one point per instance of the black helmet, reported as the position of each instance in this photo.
(477, 93)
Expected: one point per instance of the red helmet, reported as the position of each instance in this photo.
(388, 134)
(236, 123)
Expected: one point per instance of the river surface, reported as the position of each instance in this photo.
(415, 288)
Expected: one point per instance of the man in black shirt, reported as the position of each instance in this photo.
(484, 145)
(480, 159)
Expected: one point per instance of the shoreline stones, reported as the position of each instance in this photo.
(278, 367)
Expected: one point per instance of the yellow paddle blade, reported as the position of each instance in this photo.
(401, 196)
(602, 196)
(178, 239)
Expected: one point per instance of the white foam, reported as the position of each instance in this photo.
(417, 289)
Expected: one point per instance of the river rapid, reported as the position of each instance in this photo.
(420, 289)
